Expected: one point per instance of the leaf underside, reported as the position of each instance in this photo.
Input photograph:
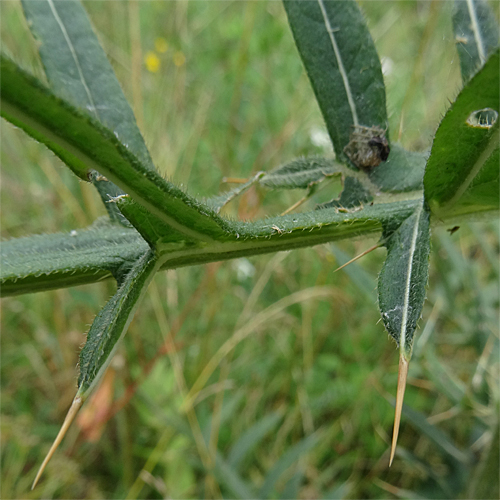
(402, 281)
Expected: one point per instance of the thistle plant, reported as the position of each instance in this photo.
(153, 225)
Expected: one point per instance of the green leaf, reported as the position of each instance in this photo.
(402, 281)
(437, 436)
(229, 477)
(353, 195)
(401, 291)
(476, 34)
(45, 262)
(342, 64)
(25, 102)
(462, 175)
(112, 322)
(402, 172)
(79, 72)
(301, 173)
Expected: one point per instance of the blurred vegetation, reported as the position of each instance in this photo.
(301, 407)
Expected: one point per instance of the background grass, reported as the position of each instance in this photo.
(301, 407)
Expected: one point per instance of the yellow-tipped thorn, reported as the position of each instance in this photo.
(400, 393)
(75, 406)
(374, 247)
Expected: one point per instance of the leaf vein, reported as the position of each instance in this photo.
(342, 70)
(75, 56)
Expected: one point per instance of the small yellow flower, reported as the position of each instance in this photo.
(152, 62)
(179, 58)
(161, 45)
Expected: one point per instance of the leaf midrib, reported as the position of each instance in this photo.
(406, 302)
(75, 57)
(342, 70)
(476, 31)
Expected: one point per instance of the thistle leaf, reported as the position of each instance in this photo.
(49, 261)
(28, 104)
(342, 64)
(402, 281)
(301, 173)
(476, 34)
(462, 175)
(106, 331)
(79, 72)
(401, 292)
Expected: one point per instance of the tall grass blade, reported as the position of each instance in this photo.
(251, 438)
(289, 458)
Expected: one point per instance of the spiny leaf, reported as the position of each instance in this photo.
(49, 261)
(112, 321)
(402, 281)
(342, 64)
(462, 173)
(301, 173)
(104, 335)
(476, 34)
(25, 102)
(401, 291)
(78, 71)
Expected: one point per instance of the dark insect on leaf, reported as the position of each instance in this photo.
(453, 229)
(368, 147)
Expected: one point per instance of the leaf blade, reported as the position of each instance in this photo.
(342, 64)
(29, 105)
(402, 281)
(476, 34)
(461, 176)
(301, 173)
(112, 322)
(78, 70)
(46, 262)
